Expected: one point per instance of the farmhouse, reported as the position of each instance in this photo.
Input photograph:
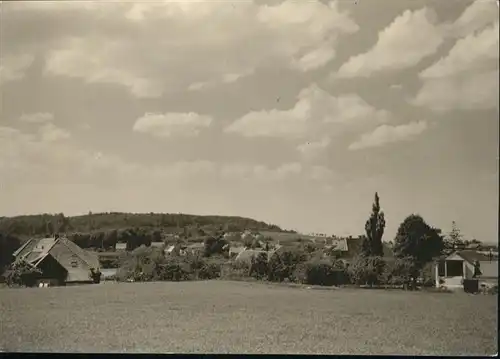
(60, 260)
(451, 270)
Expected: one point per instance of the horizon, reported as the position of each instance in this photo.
(289, 113)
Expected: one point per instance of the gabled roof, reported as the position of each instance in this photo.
(91, 259)
(339, 244)
(19, 250)
(40, 247)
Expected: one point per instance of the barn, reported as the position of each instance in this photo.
(60, 260)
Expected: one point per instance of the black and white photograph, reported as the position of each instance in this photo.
(249, 177)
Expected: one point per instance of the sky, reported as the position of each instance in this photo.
(290, 112)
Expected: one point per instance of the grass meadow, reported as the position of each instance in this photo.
(242, 317)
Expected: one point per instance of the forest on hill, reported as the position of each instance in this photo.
(103, 230)
(42, 224)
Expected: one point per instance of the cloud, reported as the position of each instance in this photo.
(219, 41)
(472, 53)
(314, 107)
(478, 15)
(386, 134)
(467, 77)
(13, 67)
(260, 172)
(467, 92)
(411, 37)
(320, 173)
(312, 149)
(172, 124)
(51, 133)
(39, 117)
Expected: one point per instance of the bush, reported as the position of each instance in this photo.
(235, 271)
(367, 270)
(21, 273)
(259, 266)
(322, 272)
(175, 271)
(283, 264)
(209, 271)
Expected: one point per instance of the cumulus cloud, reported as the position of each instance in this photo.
(386, 134)
(466, 92)
(313, 108)
(51, 133)
(39, 117)
(467, 77)
(320, 173)
(476, 16)
(13, 67)
(411, 37)
(172, 124)
(247, 172)
(472, 53)
(207, 42)
(311, 150)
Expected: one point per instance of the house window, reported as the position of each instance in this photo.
(74, 263)
(454, 268)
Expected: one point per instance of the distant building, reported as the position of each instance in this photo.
(157, 244)
(174, 250)
(195, 248)
(60, 260)
(121, 246)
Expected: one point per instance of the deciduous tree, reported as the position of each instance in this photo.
(417, 242)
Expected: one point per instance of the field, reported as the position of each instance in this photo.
(238, 317)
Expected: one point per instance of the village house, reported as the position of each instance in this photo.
(175, 250)
(121, 247)
(452, 269)
(157, 244)
(195, 248)
(60, 260)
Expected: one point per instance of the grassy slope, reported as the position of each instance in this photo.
(229, 317)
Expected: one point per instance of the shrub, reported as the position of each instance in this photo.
(283, 264)
(322, 272)
(95, 275)
(259, 266)
(174, 270)
(367, 270)
(235, 271)
(209, 271)
(21, 273)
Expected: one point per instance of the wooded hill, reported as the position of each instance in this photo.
(42, 224)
